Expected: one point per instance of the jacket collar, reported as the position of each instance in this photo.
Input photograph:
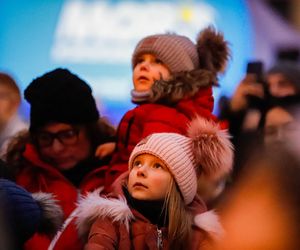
(93, 206)
(182, 85)
(31, 155)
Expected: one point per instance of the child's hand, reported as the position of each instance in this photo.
(105, 149)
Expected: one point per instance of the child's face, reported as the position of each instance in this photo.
(149, 178)
(148, 70)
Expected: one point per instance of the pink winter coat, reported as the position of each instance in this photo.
(111, 224)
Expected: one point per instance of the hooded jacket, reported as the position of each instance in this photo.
(111, 223)
(172, 104)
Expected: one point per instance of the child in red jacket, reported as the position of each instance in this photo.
(155, 206)
(173, 79)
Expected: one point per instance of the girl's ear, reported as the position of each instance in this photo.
(212, 148)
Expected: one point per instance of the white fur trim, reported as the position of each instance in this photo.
(209, 222)
(94, 206)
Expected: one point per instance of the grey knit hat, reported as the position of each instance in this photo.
(179, 53)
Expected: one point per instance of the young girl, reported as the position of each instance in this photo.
(154, 205)
(173, 79)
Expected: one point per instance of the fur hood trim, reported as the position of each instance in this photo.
(52, 214)
(94, 206)
(209, 222)
(212, 148)
(182, 85)
(213, 53)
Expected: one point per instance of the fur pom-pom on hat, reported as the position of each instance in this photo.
(180, 54)
(51, 213)
(193, 66)
(206, 147)
(213, 50)
(25, 214)
(212, 147)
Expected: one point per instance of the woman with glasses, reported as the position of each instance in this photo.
(57, 155)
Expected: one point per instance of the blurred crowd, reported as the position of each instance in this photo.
(172, 175)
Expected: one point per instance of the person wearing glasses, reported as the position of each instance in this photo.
(57, 154)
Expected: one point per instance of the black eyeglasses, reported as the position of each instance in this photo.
(66, 137)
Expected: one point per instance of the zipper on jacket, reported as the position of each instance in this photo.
(159, 239)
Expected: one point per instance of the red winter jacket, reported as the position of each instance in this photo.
(149, 118)
(36, 175)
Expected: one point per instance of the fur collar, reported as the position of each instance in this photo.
(183, 85)
(94, 206)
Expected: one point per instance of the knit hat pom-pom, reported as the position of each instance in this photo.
(212, 147)
(52, 215)
(213, 50)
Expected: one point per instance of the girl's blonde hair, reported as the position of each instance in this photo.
(180, 221)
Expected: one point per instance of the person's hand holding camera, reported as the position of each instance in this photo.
(247, 87)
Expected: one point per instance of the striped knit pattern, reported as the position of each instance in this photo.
(176, 152)
(179, 53)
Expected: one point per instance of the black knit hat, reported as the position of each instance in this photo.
(60, 96)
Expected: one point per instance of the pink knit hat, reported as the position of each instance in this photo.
(207, 150)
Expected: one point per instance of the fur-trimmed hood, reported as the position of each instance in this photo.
(183, 85)
(212, 52)
(93, 206)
